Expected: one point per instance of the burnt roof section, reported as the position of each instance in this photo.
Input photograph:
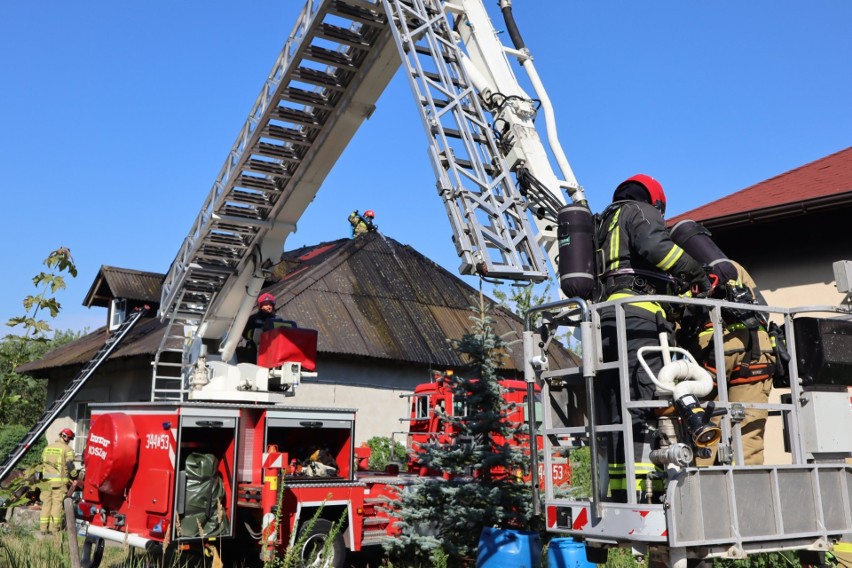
(374, 297)
(823, 184)
(112, 282)
(368, 297)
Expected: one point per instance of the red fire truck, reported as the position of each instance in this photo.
(432, 403)
(198, 476)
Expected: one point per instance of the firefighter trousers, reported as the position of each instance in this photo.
(642, 330)
(52, 510)
(753, 427)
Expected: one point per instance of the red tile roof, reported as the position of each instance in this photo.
(826, 182)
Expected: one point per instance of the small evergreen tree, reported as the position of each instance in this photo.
(480, 486)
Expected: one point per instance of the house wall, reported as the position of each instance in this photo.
(791, 262)
(376, 390)
(123, 380)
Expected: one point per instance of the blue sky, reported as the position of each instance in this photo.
(117, 117)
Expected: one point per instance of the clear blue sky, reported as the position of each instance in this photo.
(117, 117)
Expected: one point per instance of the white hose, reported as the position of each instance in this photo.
(685, 377)
(680, 377)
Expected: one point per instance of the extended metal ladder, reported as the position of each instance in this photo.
(304, 95)
(47, 418)
(488, 214)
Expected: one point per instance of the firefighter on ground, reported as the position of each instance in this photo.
(639, 259)
(750, 361)
(362, 224)
(57, 471)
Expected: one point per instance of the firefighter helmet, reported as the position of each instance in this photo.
(369, 213)
(265, 299)
(67, 433)
(656, 195)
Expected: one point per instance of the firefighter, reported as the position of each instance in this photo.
(263, 320)
(362, 224)
(749, 360)
(57, 471)
(639, 258)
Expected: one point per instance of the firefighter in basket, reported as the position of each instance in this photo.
(638, 259)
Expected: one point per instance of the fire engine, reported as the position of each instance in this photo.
(432, 403)
(223, 435)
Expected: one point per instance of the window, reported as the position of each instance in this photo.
(83, 419)
(117, 313)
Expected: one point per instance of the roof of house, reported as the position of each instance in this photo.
(822, 184)
(369, 297)
(112, 282)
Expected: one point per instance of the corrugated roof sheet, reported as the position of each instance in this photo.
(824, 183)
(112, 282)
(367, 297)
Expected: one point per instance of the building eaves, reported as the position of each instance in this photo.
(816, 186)
(112, 282)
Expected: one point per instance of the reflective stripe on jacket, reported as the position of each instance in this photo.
(54, 460)
(635, 240)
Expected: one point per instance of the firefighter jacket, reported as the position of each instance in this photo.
(260, 322)
(748, 348)
(57, 464)
(639, 257)
(360, 224)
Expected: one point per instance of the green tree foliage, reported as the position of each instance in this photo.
(22, 398)
(384, 451)
(479, 487)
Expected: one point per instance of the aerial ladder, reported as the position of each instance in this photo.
(325, 83)
(503, 197)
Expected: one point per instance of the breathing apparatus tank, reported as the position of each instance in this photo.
(575, 233)
(693, 238)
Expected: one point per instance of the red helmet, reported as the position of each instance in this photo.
(369, 213)
(652, 186)
(265, 299)
(67, 433)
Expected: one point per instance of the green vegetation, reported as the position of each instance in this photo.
(441, 519)
(383, 451)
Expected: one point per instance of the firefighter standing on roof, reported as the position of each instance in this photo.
(362, 224)
(639, 258)
(58, 469)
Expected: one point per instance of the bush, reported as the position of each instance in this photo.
(380, 452)
(9, 438)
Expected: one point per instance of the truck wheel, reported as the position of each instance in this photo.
(313, 551)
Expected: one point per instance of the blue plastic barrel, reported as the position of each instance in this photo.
(508, 548)
(567, 553)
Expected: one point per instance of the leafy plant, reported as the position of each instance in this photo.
(384, 451)
(22, 397)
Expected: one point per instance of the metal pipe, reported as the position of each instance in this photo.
(117, 536)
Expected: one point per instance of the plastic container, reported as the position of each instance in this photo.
(508, 548)
(567, 553)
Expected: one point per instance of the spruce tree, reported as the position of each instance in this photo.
(442, 517)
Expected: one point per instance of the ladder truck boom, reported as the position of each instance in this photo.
(327, 80)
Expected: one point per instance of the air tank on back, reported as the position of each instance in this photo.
(575, 234)
(695, 239)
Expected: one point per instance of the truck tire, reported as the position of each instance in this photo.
(313, 552)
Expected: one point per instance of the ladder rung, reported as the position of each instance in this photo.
(318, 78)
(329, 57)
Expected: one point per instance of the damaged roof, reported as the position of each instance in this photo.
(368, 297)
